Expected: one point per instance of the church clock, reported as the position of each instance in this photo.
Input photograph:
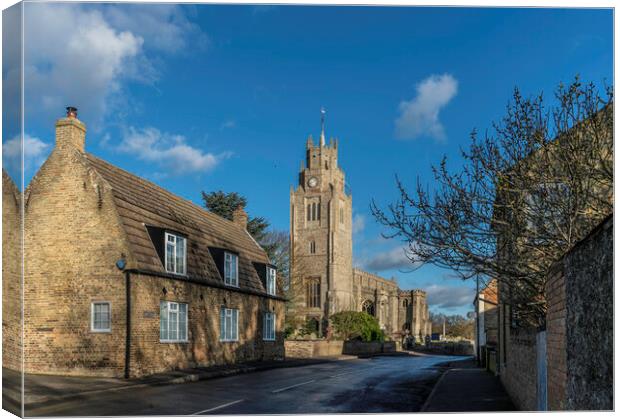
(313, 182)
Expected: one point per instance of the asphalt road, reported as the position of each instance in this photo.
(372, 385)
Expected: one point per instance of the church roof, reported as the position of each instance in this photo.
(144, 207)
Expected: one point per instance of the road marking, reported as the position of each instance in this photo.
(217, 407)
(293, 386)
(342, 373)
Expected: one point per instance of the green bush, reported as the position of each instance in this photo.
(356, 325)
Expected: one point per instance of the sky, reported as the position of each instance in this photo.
(222, 97)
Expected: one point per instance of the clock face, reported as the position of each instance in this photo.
(312, 182)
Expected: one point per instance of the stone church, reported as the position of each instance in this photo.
(323, 279)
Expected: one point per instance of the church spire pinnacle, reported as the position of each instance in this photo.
(322, 126)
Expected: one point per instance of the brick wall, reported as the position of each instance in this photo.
(518, 374)
(72, 240)
(555, 293)
(204, 348)
(11, 275)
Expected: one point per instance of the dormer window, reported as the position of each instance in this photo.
(231, 269)
(271, 280)
(175, 254)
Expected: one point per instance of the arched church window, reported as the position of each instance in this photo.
(318, 211)
(308, 212)
(313, 211)
(368, 307)
(313, 293)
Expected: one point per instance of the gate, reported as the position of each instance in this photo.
(541, 370)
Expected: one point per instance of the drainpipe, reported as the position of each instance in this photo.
(127, 322)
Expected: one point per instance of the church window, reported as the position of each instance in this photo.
(313, 294)
(313, 211)
(318, 211)
(309, 212)
(313, 247)
(368, 307)
(406, 303)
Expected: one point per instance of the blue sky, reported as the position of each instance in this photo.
(207, 97)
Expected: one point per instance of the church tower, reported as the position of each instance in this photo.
(321, 237)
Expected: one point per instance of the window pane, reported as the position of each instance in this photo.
(173, 325)
(170, 257)
(234, 269)
(180, 256)
(182, 321)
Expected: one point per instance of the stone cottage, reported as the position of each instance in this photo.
(123, 278)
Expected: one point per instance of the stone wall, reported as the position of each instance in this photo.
(555, 292)
(519, 371)
(332, 348)
(149, 355)
(11, 275)
(588, 269)
(72, 239)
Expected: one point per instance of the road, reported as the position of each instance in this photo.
(372, 385)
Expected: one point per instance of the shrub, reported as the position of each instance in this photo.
(356, 325)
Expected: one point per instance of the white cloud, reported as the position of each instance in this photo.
(395, 258)
(82, 54)
(420, 115)
(446, 297)
(166, 27)
(35, 152)
(169, 151)
(229, 123)
(359, 223)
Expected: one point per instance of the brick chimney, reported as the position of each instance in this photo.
(70, 131)
(240, 217)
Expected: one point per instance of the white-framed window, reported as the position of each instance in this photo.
(172, 321)
(100, 317)
(175, 254)
(231, 269)
(271, 280)
(269, 326)
(229, 324)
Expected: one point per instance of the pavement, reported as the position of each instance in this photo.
(465, 388)
(377, 384)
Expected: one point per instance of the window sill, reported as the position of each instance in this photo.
(176, 273)
(101, 331)
(269, 340)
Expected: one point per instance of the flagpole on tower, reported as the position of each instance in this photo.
(322, 126)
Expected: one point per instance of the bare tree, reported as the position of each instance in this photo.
(529, 189)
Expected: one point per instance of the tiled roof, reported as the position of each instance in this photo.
(141, 203)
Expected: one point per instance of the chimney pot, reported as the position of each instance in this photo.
(71, 112)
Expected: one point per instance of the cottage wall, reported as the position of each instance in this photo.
(72, 240)
(204, 348)
(11, 275)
